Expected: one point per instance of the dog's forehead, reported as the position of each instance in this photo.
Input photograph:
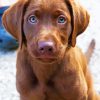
(48, 4)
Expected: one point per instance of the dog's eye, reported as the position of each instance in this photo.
(61, 19)
(33, 19)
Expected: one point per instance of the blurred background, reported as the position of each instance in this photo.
(7, 42)
(8, 50)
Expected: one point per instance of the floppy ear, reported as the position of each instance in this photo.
(79, 20)
(13, 19)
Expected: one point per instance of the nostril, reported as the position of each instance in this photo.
(46, 49)
(41, 49)
(50, 49)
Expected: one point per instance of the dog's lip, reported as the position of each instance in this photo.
(47, 58)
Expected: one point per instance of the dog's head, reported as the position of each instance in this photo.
(46, 27)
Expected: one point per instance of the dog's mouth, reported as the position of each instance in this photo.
(47, 58)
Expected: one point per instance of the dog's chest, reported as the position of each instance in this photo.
(63, 86)
(52, 85)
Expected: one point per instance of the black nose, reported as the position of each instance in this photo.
(46, 47)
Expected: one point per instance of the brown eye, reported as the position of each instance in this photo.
(32, 19)
(61, 19)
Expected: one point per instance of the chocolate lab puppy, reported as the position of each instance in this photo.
(49, 65)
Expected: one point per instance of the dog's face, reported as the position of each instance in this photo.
(48, 27)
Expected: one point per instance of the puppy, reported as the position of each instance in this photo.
(49, 65)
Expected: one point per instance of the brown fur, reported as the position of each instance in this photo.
(61, 75)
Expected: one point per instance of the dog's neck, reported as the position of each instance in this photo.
(45, 72)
